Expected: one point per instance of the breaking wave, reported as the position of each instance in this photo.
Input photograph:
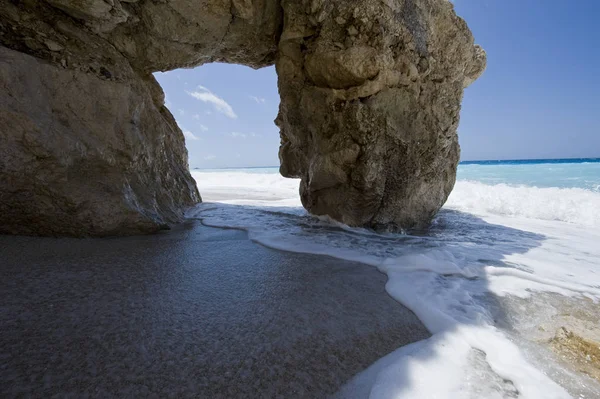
(572, 205)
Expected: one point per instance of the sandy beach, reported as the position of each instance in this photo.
(191, 312)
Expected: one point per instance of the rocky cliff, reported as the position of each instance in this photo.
(370, 100)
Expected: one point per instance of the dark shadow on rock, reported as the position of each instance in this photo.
(203, 312)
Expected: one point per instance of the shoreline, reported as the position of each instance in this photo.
(237, 318)
(571, 345)
(187, 312)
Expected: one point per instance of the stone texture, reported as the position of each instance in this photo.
(370, 100)
(164, 35)
(87, 146)
(123, 172)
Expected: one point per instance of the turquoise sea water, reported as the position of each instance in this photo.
(562, 173)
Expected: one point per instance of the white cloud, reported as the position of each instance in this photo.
(243, 135)
(209, 157)
(259, 100)
(196, 116)
(189, 135)
(207, 96)
(203, 128)
(181, 112)
(238, 134)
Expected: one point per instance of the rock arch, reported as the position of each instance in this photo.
(370, 100)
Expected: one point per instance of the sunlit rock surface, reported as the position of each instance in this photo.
(370, 100)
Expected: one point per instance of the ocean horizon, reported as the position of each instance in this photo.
(470, 162)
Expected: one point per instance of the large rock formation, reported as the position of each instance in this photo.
(86, 144)
(370, 101)
(370, 96)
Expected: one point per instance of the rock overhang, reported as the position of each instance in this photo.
(370, 100)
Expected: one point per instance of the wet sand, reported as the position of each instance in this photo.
(192, 312)
(563, 338)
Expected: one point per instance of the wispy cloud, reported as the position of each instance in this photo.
(258, 100)
(238, 135)
(209, 157)
(181, 112)
(207, 96)
(190, 136)
(202, 127)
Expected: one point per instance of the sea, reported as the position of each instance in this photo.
(511, 233)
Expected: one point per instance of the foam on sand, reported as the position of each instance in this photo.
(488, 242)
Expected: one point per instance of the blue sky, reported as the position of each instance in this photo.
(539, 97)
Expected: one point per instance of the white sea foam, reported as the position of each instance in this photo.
(489, 241)
(573, 205)
(244, 186)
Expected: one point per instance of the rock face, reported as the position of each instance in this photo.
(85, 155)
(370, 100)
(86, 144)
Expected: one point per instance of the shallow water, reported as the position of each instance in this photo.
(507, 230)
